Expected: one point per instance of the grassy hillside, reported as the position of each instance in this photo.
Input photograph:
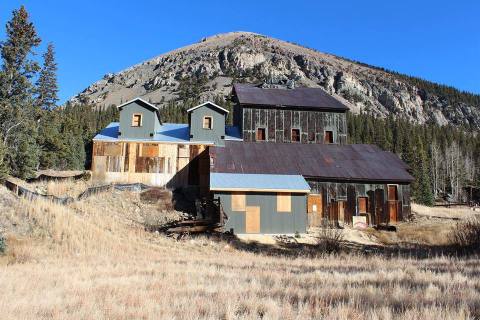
(91, 260)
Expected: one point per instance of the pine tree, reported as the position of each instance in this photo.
(47, 88)
(18, 115)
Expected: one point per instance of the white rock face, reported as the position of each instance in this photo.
(252, 57)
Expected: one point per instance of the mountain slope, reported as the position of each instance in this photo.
(207, 69)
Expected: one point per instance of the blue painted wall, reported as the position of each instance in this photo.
(150, 122)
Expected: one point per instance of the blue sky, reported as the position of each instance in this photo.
(436, 40)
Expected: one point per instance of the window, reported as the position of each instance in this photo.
(261, 134)
(311, 136)
(362, 204)
(328, 137)
(295, 135)
(284, 202)
(137, 120)
(207, 123)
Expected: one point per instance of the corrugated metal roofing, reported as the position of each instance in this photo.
(169, 132)
(358, 162)
(315, 98)
(258, 182)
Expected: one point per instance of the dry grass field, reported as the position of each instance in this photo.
(87, 261)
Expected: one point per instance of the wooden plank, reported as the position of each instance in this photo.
(238, 201)
(284, 202)
(252, 219)
(392, 211)
(112, 149)
(392, 193)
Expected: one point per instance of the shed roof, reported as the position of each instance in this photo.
(313, 98)
(357, 162)
(258, 182)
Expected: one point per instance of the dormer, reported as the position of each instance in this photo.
(138, 120)
(207, 123)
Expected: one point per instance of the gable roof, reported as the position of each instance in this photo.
(210, 103)
(358, 162)
(311, 98)
(258, 182)
(138, 99)
(145, 104)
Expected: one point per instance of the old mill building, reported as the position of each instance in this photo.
(283, 166)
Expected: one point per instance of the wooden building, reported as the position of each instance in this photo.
(304, 115)
(283, 167)
(140, 148)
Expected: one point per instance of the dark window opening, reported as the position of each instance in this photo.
(207, 123)
(261, 134)
(311, 136)
(295, 135)
(328, 137)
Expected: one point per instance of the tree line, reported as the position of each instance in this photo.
(442, 159)
(35, 133)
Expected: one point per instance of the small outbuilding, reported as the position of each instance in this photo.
(262, 203)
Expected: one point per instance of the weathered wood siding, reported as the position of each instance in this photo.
(150, 163)
(377, 203)
(278, 124)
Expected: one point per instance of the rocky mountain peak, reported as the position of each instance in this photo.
(212, 64)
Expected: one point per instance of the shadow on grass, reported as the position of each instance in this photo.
(294, 249)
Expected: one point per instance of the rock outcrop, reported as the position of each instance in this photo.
(216, 61)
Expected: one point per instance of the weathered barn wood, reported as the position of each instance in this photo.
(279, 124)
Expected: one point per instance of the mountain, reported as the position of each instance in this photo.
(206, 70)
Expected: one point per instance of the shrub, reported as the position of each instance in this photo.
(329, 240)
(3, 244)
(466, 235)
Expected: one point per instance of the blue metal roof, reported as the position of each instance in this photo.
(258, 182)
(169, 132)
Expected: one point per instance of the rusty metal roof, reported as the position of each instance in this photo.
(312, 98)
(356, 162)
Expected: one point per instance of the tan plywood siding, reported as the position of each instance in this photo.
(315, 203)
(362, 204)
(238, 201)
(252, 220)
(284, 202)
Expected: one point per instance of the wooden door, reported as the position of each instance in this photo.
(252, 220)
(392, 211)
(315, 209)
(379, 202)
(392, 203)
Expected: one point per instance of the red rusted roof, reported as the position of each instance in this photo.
(356, 162)
(313, 98)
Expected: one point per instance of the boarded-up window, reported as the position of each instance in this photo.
(137, 120)
(207, 122)
(284, 202)
(238, 201)
(328, 137)
(362, 204)
(315, 203)
(261, 134)
(252, 220)
(295, 135)
(150, 150)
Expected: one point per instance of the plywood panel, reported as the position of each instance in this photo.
(392, 211)
(341, 211)
(238, 201)
(315, 203)
(252, 220)
(150, 150)
(284, 202)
